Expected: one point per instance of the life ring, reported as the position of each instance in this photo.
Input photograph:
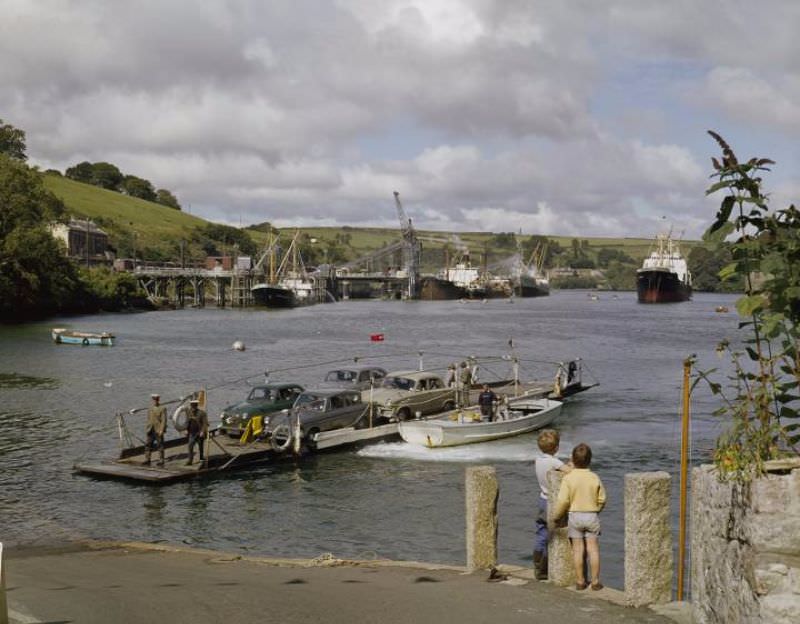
(281, 438)
(85, 342)
(180, 417)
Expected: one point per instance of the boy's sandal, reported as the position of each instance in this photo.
(581, 586)
(597, 586)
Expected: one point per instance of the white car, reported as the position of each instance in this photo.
(402, 395)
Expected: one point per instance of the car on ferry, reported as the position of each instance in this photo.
(355, 378)
(316, 411)
(404, 394)
(263, 400)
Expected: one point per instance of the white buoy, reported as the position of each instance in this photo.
(238, 346)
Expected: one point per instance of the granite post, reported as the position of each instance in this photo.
(560, 569)
(648, 539)
(482, 493)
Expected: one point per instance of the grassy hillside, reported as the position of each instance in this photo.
(155, 231)
(153, 226)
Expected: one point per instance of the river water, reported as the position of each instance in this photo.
(57, 405)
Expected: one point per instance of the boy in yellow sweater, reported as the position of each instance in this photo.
(583, 495)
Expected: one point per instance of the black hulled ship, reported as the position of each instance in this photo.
(664, 276)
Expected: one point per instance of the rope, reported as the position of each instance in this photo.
(481, 360)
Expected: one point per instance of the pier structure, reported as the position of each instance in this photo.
(196, 287)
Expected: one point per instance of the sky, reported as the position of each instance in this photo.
(574, 118)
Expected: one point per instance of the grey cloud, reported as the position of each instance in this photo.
(258, 110)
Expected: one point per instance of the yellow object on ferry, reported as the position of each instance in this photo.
(255, 427)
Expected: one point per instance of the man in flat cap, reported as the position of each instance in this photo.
(196, 429)
(155, 430)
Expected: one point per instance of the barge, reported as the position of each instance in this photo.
(224, 453)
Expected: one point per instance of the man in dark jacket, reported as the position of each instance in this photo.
(196, 429)
(486, 401)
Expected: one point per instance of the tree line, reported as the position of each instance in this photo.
(36, 277)
(108, 176)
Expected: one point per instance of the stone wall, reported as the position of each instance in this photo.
(745, 549)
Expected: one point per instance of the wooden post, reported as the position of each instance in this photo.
(687, 369)
(482, 493)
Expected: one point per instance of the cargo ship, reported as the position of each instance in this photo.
(664, 276)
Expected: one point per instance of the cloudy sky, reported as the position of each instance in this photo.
(582, 117)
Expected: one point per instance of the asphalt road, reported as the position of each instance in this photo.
(131, 585)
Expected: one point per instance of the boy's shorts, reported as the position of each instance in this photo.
(583, 524)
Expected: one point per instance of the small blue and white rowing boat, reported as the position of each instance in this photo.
(67, 336)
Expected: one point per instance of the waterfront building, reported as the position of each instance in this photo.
(84, 240)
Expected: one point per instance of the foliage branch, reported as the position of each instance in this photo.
(762, 400)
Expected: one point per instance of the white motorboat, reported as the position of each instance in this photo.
(465, 426)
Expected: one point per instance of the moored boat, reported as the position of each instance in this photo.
(465, 426)
(67, 336)
(664, 276)
(290, 285)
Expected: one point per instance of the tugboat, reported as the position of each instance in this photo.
(664, 276)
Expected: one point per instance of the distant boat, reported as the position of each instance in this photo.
(288, 286)
(66, 336)
(460, 281)
(465, 426)
(664, 276)
(530, 279)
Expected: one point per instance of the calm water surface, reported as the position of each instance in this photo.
(57, 405)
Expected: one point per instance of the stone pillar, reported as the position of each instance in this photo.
(482, 493)
(648, 539)
(560, 569)
(3, 604)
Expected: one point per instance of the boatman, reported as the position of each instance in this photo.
(486, 401)
(155, 430)
(196, 429)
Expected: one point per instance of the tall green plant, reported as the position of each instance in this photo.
(763, 399)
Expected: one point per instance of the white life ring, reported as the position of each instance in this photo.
(281, 438)
(180, 417)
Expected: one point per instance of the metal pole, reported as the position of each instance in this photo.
(87, 243)
(421, 367)
(516, 376)
(3, 603)
(687, 369)
(371, 404)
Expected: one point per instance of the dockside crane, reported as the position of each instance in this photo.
(412, 248)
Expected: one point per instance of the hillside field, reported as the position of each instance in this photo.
(143, 225)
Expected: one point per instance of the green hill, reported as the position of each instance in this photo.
(155, 232)
(129, 221)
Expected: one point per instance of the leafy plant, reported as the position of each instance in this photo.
(763, 410)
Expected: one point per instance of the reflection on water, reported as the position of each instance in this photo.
(13, 380)
(387, 500)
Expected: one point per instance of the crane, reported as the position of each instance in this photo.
(412, 248)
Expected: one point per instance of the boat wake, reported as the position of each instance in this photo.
(502, 450)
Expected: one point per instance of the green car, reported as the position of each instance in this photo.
(263, 401)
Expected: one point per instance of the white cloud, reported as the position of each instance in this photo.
(745, 96)
(477, 111)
